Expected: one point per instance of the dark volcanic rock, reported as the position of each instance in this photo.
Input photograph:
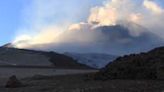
(13, 82)
(8, 45)
(148, 65)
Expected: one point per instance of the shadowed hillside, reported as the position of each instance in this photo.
(13, 56)
(148, 65)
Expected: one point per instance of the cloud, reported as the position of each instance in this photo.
(47, 31)
(153, 7)
(100, 15)
(111, 12)
(80, 26)
(45, 36)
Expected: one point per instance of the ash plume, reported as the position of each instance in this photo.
(116, 26)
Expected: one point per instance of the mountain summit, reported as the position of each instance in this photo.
(127, 38)
(8, 45)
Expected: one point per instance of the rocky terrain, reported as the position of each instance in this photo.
(79, 83)
(142, 72)
(131, 73)
(148, 65)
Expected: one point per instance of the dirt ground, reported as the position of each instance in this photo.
(78, 83)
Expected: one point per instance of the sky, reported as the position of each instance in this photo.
(10, 13)
(15, 13)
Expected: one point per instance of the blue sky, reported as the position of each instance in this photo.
(12, 14)
(12, 17)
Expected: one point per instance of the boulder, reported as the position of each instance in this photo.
(13, 82)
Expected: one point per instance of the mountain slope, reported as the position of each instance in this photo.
(121, 39)
(148, 65)
(94, 60)
(13, 56)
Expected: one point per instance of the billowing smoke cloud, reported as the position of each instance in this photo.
(113, 11)
(140, 23)
(153, 7)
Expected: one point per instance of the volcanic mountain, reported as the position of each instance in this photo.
(121, 39)
(127, 38)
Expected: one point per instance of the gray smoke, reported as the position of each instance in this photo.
(116, 27)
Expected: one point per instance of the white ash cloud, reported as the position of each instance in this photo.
(67, 35)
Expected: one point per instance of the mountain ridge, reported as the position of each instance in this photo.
(147, 65)
(14, 56)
